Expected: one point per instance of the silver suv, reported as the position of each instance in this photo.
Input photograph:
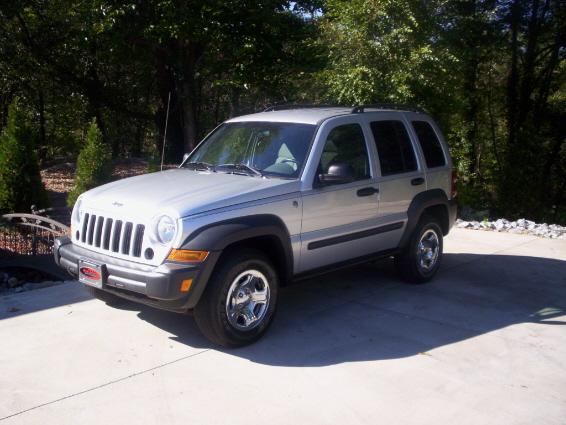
(265, 200)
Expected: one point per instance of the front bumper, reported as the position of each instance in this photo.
(158, 287)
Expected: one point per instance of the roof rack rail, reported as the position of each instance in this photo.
(398, 107)
(286, 106)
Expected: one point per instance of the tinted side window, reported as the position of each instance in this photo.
(430, 144)
(396, 154)
(346, 144)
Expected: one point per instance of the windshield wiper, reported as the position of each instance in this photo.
(201, 166)
(248, 169)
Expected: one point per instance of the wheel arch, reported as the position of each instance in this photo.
(433, 202)
(264, 232)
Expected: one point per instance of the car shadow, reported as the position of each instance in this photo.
(367, 313)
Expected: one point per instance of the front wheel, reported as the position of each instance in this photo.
(239, 302)
(420, 259)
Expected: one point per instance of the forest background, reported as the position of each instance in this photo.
(492, 73)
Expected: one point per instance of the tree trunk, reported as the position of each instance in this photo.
(190, 54)
(137, 146)
(492, 124)
(189, 108)
(471, 114)
(513, 79)
(42, 133)
(234, 102)
(528, 65)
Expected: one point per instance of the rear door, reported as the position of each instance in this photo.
(401, 174)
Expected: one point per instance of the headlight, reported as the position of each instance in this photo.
(78, 211)
(166, 229)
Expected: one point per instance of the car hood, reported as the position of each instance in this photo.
(183, 192)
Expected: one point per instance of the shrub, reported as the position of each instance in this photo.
(20, 180)
(94, 165)
(153, 161)
(153, 164)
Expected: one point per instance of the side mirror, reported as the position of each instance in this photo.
(339, 173)
(185, 157)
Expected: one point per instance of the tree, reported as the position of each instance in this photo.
(94, 165)
(380, 51)
(219, 48)
(490, 71)
(20, 181)
(534, 174)
(470, 30)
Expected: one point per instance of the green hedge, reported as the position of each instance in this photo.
(94, 165)
(20, 180)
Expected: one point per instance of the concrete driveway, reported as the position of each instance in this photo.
(485, 343)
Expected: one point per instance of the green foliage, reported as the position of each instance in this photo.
(381, 51)
(20, 181)
(153, 164)
(153, 160)
(94, 165)
(492, 72)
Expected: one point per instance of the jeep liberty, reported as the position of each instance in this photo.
(264, 200)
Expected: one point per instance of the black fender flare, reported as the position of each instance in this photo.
(216, 237)
(422, 201)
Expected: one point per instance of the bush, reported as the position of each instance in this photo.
(94, 165)
(153, 161)
(153, 164)
(20, 181)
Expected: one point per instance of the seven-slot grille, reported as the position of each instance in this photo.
(123, 237)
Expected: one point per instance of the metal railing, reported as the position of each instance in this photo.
(28, 234)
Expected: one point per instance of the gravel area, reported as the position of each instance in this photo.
(521, 226)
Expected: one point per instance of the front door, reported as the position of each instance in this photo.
(338, 219)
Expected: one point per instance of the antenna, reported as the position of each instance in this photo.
(165, 132)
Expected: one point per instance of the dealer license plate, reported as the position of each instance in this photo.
(90, 273)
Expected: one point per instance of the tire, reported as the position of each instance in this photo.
(241, 275)
(408, 263)
(101, 295)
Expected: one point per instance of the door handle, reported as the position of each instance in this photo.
(367, 191)
(417, 181)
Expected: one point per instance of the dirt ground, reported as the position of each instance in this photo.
(58, 179)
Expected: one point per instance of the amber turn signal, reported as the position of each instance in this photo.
(186, 285)
(187, 256)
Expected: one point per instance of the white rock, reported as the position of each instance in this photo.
(517, 230)
(499, 225)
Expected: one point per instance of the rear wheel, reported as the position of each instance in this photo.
(239, 302)
(420, 259)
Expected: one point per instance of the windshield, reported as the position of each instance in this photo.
(255, 148)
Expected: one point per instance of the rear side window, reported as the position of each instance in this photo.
(432, 149)
(396, 154)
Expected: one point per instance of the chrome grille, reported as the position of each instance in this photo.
(112, 235)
